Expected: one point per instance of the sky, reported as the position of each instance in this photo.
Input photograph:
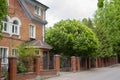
(69, 9)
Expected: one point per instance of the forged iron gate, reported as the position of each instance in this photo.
(65, 64)
(4, 69)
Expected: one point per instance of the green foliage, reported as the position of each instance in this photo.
(21, 68)
(100, 3)
(5, 73)
(105, 47)
(108, 17)
(3, 12)
(26, 54)
(72, 38)
(88, 22)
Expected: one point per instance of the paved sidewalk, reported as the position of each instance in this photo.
(106, 73)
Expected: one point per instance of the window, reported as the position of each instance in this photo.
(3, 54)
(14, 52)
(5, 25)
(37, 10)
(15, 27)
(8, 2)
(37, 52)
(32, 31)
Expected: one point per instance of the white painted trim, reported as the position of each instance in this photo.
(7, 52)
(34, 30)
(16, 18)
(40, 10)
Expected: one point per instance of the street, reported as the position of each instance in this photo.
(106, 73)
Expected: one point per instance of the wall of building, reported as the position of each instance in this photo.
(11, 41)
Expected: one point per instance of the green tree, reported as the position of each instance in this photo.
(108, 17)
(26, 55)
(3, 12)
(72, 38)
(105, 46)
(88, 22)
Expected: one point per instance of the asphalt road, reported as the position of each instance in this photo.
(106, 73)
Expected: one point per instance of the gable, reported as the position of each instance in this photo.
(25, 7)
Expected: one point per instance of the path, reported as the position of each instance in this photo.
(106, 73)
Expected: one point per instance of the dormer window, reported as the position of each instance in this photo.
(37, 10)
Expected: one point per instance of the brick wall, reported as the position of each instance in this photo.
(26, 76)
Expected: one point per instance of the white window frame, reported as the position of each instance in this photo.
(32, 31)
(8, 2)
(15, 29)
(14, 53)
(6, 61)
(38, 10)
(4, 22)
(16, 26)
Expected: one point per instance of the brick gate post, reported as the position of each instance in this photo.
(12, 68)
(57, 63)
(97, 62)
(78, 63)
(73, 63)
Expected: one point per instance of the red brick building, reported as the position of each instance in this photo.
(24, 23)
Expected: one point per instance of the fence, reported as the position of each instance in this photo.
(74, 64)
(65, 64)
(31, 72)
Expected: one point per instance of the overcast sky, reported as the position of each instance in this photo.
(69, 9)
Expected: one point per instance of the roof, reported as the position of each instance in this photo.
(41, 4)
(39, 44)
(23, 3)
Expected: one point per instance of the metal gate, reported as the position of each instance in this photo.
(4, 69)
(65, 64)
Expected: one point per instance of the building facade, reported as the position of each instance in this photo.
(25, 23)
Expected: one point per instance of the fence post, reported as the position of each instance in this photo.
(78, 63)
(12, 68)
(97, 63)
(57, 63)
(37, 65)
(0, 68)
(73, 63)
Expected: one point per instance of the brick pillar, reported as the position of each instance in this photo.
(102, 65)
(99, 62)
(37, 65)
(0, 68)
(12, 68)
(73, 63)
(57, 63)
(78, 63)
(96, 63)
(41, 63)
(89, 60)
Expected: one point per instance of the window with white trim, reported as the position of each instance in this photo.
(4, 55)
(5, 25)
(32, 31)
(37, 10)
(8, 2)
(14, 52)
(15, 27)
